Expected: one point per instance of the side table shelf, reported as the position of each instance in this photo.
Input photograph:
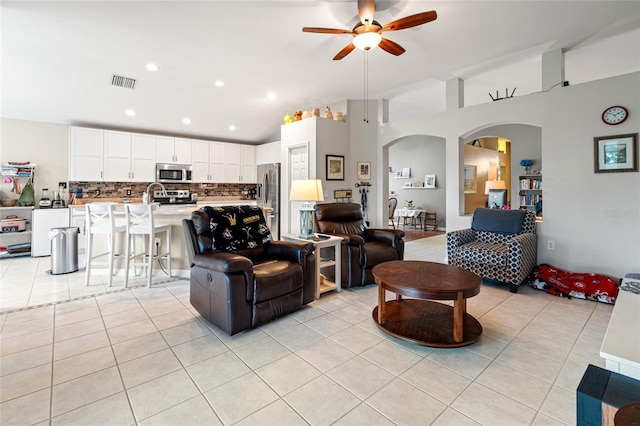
(322, 284)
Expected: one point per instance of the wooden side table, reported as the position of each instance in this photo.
(323, 285)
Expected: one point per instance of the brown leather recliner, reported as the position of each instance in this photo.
(240, 278)
(362, 248)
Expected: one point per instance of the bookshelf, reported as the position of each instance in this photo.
(530, 191)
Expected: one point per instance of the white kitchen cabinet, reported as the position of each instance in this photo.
(217, 162)
(19, 241)
(248, 163)
(117, 156)
(173, 150)
(86, 154)
(200, 162)
(208, 161)
(143, 159)
(240, 163)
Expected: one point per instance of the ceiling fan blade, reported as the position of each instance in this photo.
(366, 10)
(325, 30)
(411, 21)
(344, 52)
(391, 47)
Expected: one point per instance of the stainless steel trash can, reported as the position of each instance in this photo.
(64, 250)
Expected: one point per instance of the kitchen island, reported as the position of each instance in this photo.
(163, 215)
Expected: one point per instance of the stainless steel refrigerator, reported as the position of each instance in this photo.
(268, 195)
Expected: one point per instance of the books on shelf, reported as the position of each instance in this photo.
(530, 199)
(528, 183)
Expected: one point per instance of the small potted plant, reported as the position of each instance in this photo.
(408, 204)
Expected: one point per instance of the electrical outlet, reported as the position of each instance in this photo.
(96, 192)
(157, 241)
(62, 184)
(551, 245)
(128, 192)
(206, 191)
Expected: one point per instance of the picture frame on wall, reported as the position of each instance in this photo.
(470, 179)
(615, 154)
(335, 167)
(429, 181)
(363, 171)
(406, 172)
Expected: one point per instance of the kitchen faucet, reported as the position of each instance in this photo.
(147, 194)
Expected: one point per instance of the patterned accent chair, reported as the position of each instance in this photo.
(240, 277)
(501, 245)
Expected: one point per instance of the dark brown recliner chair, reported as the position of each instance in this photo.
(362, 248)
(240, 278)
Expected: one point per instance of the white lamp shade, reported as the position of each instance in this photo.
(366, 41)
(494, 184)
(306, 190)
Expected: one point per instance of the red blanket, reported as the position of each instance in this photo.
(598, 287)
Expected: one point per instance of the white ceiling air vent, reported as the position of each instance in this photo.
(121, 81)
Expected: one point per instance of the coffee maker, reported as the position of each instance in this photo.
(58, 202)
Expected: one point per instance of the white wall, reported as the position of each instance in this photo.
(594, 219)
(45, 144)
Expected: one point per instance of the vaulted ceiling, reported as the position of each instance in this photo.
(58, 58)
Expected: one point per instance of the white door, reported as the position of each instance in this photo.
(299, 169)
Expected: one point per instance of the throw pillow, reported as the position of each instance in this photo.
(237, 227)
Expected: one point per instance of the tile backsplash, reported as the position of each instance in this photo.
(119, 189)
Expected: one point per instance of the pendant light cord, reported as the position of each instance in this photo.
(366, 86)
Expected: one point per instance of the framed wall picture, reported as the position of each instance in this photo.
(470, 179)
(364, 171)
(406, 172)
(335, 167)
(429, 181)
(614, 154)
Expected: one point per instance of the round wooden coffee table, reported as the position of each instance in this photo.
(422, 321)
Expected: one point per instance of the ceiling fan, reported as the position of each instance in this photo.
(367, 33)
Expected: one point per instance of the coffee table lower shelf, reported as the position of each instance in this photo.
(426, 323)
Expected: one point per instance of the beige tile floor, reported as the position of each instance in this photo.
(144, 356)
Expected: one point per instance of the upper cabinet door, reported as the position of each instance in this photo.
(143, 158)
(247, 163)
(200, 163)
(117, 156)
(232, 162)
(85, 154)
(182, 151)
(164, 149)
(217, 166)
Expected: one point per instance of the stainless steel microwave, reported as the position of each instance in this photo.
(176, 173)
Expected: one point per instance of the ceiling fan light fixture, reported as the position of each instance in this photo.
(367, 41)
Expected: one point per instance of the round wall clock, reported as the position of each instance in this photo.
(615, 115)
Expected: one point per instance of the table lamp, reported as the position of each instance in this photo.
(306, 190)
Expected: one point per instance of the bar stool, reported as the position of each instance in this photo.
(140, 222)
(101, 220)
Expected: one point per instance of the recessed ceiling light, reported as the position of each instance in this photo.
(272, 96)
(130, 112)
(186, 120)
(151, 67)
(219, 83)
(232, 128)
